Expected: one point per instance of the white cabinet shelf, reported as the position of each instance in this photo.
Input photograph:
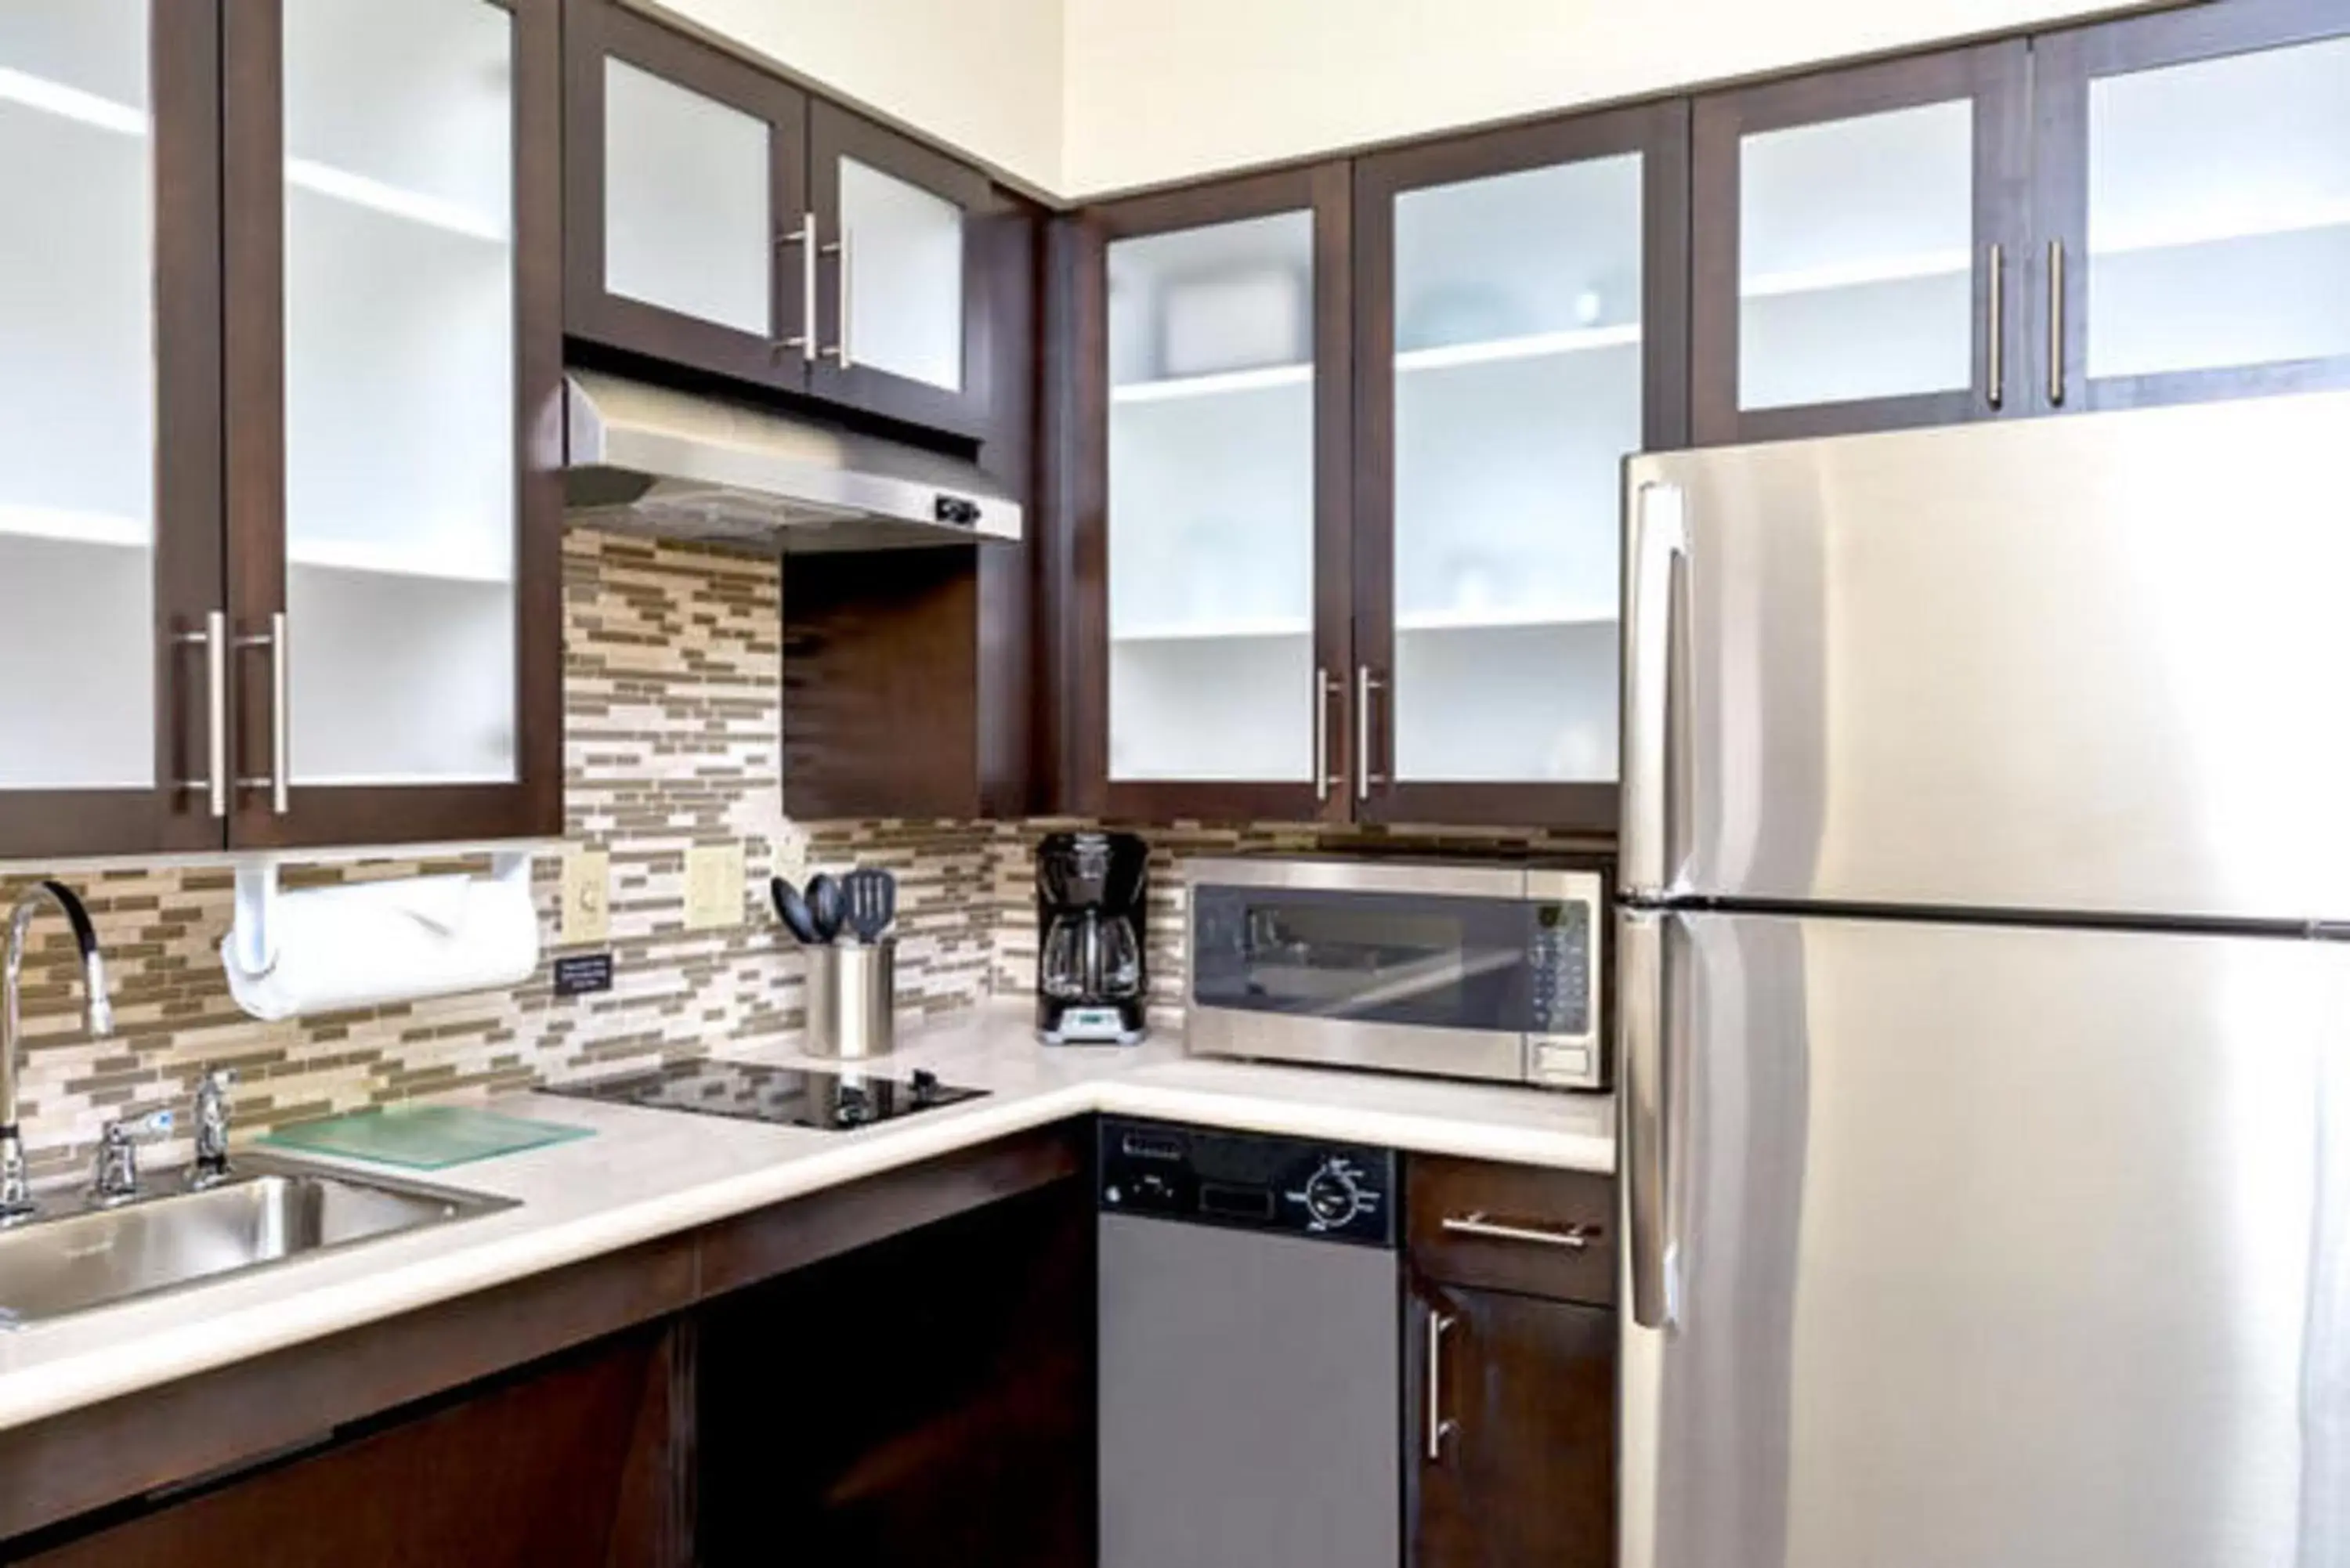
(400, 560)
(1215, 630)
(1223, 383)
(1862, 274)
(1505, 618)
(429, 211)
(75, 527)
(1533, 346)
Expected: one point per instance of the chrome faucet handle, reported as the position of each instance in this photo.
(211, 1164)
(117, 1154)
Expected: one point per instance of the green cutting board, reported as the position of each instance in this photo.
(422, 1137)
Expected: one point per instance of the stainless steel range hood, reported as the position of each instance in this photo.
(653, 460)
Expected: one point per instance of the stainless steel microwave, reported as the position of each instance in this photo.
(1462, 969)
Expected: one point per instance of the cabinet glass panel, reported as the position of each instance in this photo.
(1212, 503)
(401, 485)
(1856, 244)
(905, 295)
(687, 225)
(1517, 395)
(78, 403)
(2219, 212)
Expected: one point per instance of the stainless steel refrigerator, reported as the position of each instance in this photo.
(1984, 996)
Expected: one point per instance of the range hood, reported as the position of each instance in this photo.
(650, 459)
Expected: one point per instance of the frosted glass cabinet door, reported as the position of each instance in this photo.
(390, 582)
(687, 220)
(110, 514)
(899, 308)
(1848, 226)
(1511, 283)
(2199, 179)
(1222, 394)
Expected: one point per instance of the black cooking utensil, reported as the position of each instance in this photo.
(792, 911)
(826, 910)
(871, 894)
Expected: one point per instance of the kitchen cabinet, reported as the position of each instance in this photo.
(719, 219)
(1510, 1365)
(1515, 1436)
(1210, 597)
(2194, 168)
(1520, 327)
(280, 504)
(1343, 471)
(1861, 247)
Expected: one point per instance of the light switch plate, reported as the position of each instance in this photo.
(586, 898)
(714, 886)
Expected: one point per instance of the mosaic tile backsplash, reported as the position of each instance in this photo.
(672, 687)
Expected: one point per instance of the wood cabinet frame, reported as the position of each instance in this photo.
(254, 337)
(1081, 268)
(1997, 79)
(598, 30)
(2064, 64)
(1659, 134)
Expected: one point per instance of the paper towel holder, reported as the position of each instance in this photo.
(252, 934)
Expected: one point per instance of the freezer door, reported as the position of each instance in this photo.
(2094, 664)
(1989, 1248)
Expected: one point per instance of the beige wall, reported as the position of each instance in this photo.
(981, 76)
(1161, 91)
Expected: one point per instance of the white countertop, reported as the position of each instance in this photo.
(651, 1173)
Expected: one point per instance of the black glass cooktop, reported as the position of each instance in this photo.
(833, 1101)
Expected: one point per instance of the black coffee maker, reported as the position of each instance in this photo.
(1092, 983)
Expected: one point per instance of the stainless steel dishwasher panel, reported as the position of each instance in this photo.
(1250, 1399)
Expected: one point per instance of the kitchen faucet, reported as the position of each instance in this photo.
(16, 1185)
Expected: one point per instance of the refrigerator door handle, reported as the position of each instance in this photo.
(1644, 1038)
(1651, 627)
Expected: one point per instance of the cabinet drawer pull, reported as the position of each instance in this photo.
(1997, 394)
(1573, 1238)
(214, 640)
(2056, 323)
(1326, 686)
(805, 238)
(1440, 1425)
(1366, 684)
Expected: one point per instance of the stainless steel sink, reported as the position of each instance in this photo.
(86, 1256)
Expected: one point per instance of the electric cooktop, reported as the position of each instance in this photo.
(793, 1095)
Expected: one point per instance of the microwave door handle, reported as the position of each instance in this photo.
(1654, 569)
(1652, 1073)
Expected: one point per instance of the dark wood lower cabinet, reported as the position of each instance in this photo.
(1513, 1431)
(544, 1469)
(926, 1401)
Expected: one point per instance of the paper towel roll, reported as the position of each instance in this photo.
(370, 944)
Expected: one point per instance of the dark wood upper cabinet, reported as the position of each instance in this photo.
(722, 221)
(1206, 375)
(288, 499)
(1860, 248)
(110, 507)
(2193, 172)
(393, 354)
(1512, 1435)
(1520, 324)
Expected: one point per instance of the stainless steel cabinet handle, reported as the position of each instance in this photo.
(1997, 394)
(1651, 631)
(1326, 686)
(2056, 323)
(1440, 1425)
(214, 639)
(1644, 1036)
(1365, 684)
(1574, 1238)
(276, 780)
(844, 247)
(805, 238)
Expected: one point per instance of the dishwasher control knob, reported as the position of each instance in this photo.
(1332, 1196)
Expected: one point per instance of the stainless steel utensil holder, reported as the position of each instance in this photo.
(852, 993)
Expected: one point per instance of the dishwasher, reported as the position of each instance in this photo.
(1251, 1383)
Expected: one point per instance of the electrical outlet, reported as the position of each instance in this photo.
(714, 886)
(586, 898)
